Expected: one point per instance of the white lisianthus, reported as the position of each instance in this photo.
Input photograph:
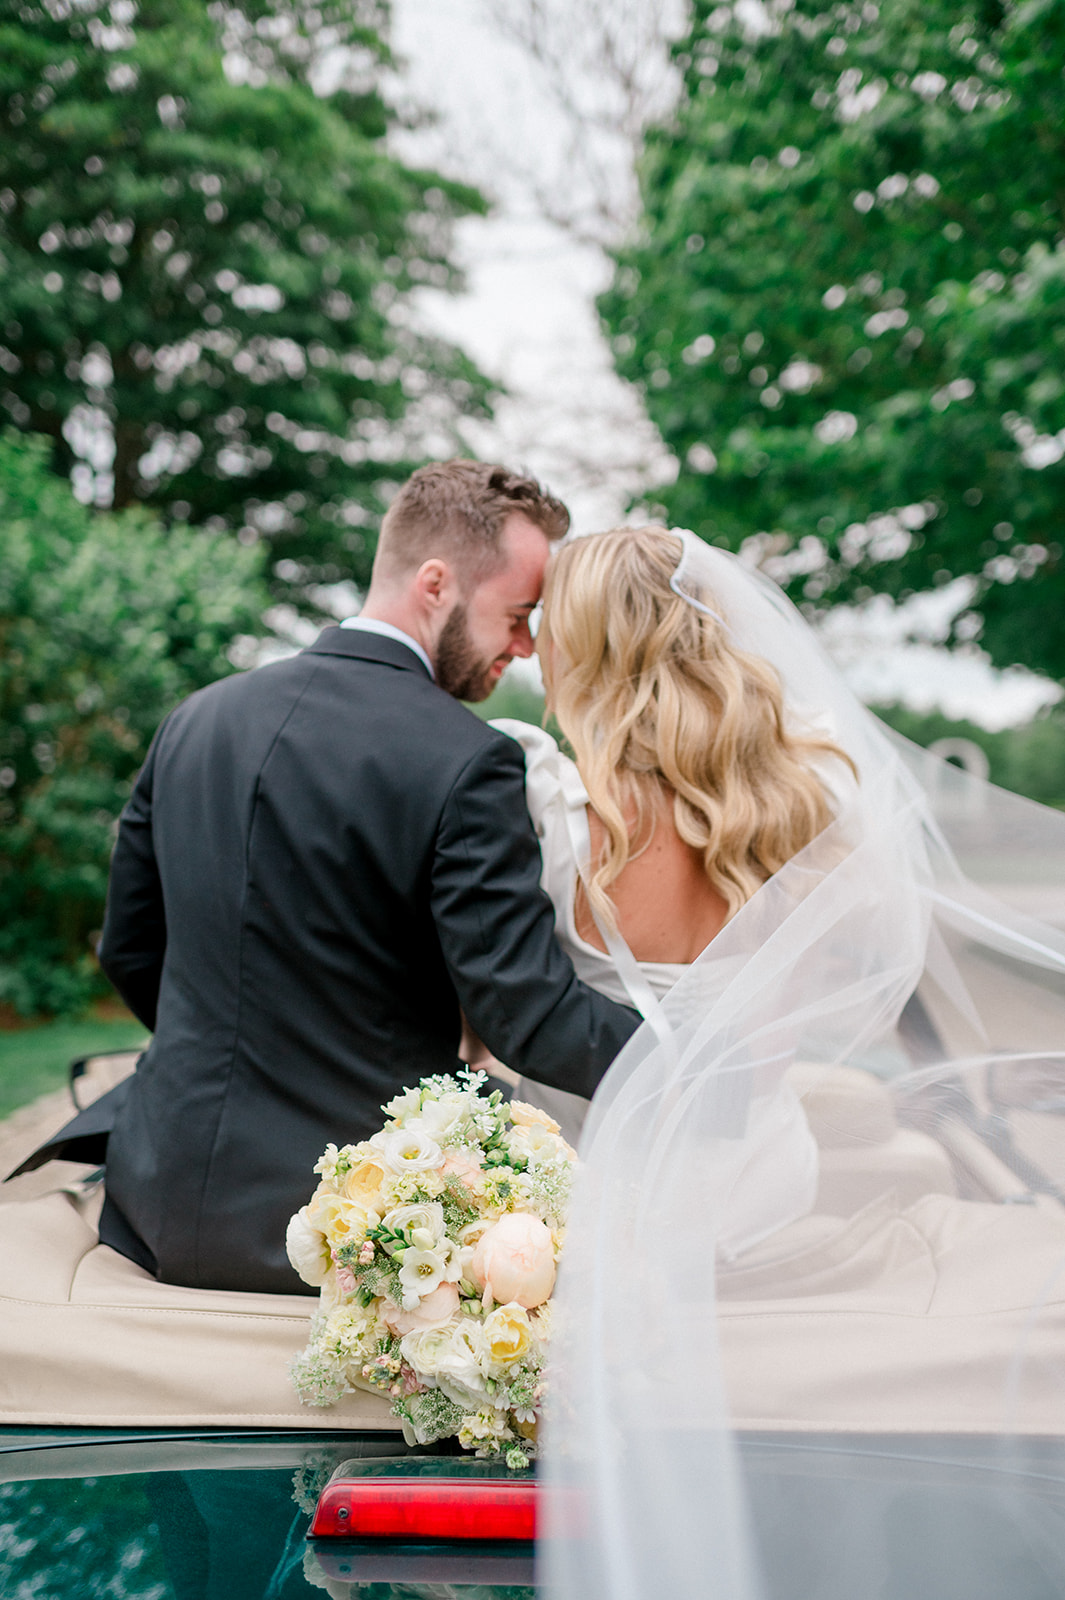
(438, 1118)
(422, 1272)
(404, 1105)
(407, 1150)
(308, 1250)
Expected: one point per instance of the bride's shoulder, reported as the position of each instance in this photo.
(550, 776)
(536, 742)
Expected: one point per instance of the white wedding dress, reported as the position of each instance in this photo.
(899, 952)
(772, 1181)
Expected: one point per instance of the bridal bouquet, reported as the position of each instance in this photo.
(435, 1244)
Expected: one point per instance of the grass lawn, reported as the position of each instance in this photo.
(34, 1060)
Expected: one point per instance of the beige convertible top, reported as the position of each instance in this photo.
(87, 1338)
(895, 1307)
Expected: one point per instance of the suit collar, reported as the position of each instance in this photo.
(363, 646)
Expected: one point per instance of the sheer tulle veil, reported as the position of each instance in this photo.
(897, 991)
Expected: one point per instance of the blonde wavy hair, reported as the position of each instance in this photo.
(656, 700)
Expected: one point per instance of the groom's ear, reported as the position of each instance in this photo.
(435, 585)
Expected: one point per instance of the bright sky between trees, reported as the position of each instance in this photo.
(528, 318)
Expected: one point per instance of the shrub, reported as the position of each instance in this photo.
(106, 622)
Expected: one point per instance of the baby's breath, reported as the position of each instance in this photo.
(318, 1377)
(431, 1414)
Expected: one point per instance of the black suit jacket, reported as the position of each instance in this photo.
(321, 861)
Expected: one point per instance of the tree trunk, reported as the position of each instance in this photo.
(129, 447)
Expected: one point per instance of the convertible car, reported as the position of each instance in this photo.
(151, 1446)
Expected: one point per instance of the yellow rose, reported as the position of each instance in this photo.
(507, 1334)
(342, 1221)
(363, 1184)
(524, 1115)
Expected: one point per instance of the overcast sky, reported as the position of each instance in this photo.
(528, 319)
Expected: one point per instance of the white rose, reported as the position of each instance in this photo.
(458, 1369)
(424, 1219)
(408, 1150)
(425, 1350)
(308, 1250)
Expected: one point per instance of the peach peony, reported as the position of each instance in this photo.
(432, 1312)
(514, 1260)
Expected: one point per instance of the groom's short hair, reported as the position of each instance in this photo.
(456, 510)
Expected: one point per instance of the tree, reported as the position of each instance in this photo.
(106, 622)
(206, 263)
(845, 302)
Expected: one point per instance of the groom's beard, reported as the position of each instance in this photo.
(459, 668)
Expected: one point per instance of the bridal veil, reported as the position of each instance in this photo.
(899, 986)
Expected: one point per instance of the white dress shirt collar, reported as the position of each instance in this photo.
(387, 631)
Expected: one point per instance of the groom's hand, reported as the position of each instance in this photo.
(473, 1050)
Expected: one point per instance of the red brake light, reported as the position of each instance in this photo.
(425, 1508)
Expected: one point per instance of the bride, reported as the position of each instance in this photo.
(772, 879)
(689, 790)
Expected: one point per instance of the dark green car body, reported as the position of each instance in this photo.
(211, 1515)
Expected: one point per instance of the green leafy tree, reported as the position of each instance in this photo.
(204, 265)
(846, 302)
(106, 622)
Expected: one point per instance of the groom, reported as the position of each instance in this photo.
(323, 863)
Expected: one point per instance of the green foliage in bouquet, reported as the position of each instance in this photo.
(845, 304)
(105, 623)
(204, 262)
